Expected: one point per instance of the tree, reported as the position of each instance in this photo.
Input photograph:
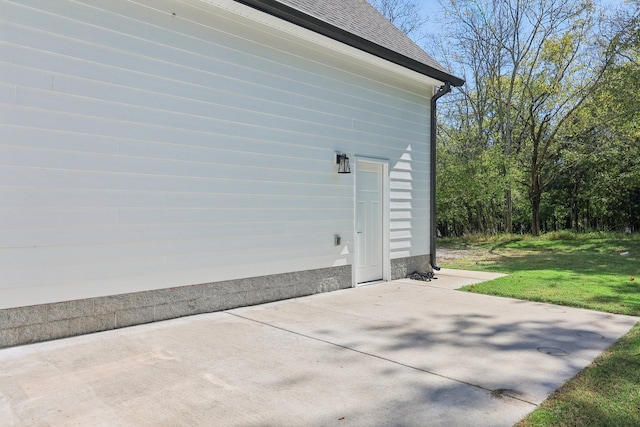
(404, 14)
(600, 170)
(529, 65)
(467, 190)
(544, 134)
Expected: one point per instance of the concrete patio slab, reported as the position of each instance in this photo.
(396, 353)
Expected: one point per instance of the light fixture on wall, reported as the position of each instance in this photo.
(343, 163)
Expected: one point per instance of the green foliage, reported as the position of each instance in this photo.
(598, 179)
(469, 193)
(544, 136)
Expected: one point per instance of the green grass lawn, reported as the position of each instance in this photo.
(586, 271)
(595, 271)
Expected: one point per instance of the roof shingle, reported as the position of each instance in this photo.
(358, 24)
(362, 19)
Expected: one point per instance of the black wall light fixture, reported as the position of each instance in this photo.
(343, 163)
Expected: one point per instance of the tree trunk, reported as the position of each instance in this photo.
(535, 216)
(508, 218)
(535, 197)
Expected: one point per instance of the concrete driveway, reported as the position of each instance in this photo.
(391, 354)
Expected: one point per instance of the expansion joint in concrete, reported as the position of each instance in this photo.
(499, 393)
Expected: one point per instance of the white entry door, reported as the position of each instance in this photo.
(369, 221)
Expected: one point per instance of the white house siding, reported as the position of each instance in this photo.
(152, 144)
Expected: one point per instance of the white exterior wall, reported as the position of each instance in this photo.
(141, 149)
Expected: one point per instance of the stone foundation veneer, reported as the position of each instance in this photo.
(30, 324)
(402, 266)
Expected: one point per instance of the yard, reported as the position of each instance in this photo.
(594, 271)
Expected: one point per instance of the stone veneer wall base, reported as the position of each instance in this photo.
(401, 267)
(30, 324)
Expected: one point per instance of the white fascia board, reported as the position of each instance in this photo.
(327, 42)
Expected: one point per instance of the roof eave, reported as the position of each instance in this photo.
(297, 17)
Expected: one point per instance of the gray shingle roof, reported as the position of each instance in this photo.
(358, 24)
(362, 19)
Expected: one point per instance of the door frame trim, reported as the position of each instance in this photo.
(386, 262)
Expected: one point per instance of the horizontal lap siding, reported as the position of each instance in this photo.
(155, 144)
